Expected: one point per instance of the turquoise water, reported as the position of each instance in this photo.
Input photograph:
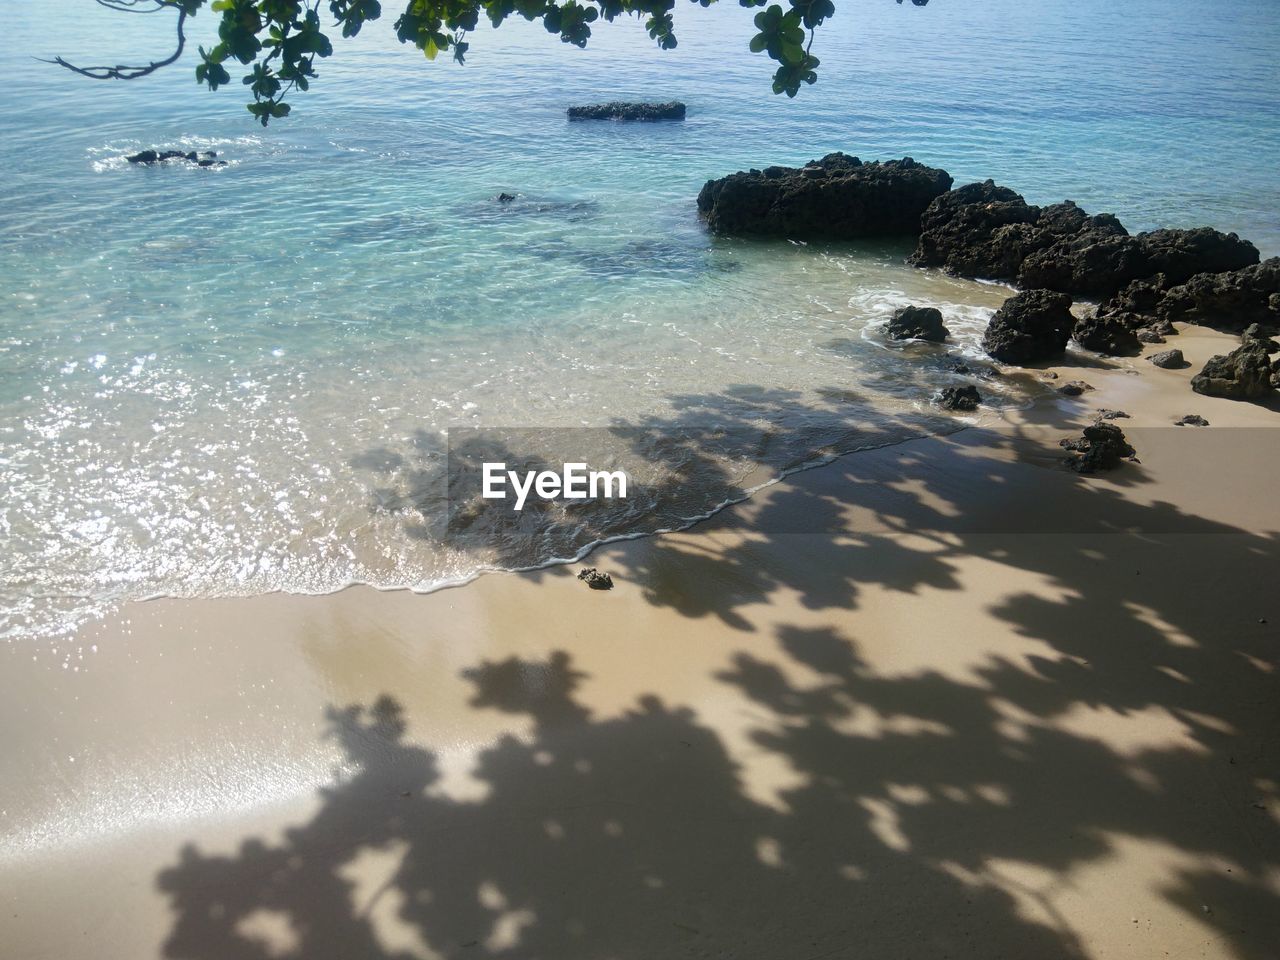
(237, 380)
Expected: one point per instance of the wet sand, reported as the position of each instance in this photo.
(943, 699)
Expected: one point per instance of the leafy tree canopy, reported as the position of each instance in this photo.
(279, 41)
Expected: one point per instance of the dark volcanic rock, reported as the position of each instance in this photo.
(672, 110)
(1243, 374)
(596, 580)
(918, 323)
(838, 197)
(1097, 263)
(1229, 300)
(1169, 359)
(1073, 388)
(960, 398)
(1180, 255)
(1102, 447)
(205, 159)
(1092, 263)
(1107, 334)
(1191, 420)
(1257, 333)
(1031, 326)
(978, 230)
(1104, 414)
(985, 230)
(1148, 335)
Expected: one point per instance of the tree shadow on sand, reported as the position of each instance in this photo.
(922, 813)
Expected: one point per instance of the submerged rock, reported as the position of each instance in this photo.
(1104, 414)
(960, 398)
(618, 110)
(1243, 374)
(1106, 334)
(1029, 327)
(1169, 359)
(918, 323)
(596, 580)
(205, 159)
(1102, 447)
(837, 198)
(1191, 420)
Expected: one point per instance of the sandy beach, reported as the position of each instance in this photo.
(941, 699)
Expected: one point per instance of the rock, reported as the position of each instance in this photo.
(1148, 335)
(1169, 359)
(1164, 328)
(1256, 333)
(1191, 420)
(595, 579)
(985, 230)
(1073, 388)
(978, 230)
(918, 323)
(1030, 327)
(961, 398)
(1107, 334)
(1102, 447)
(671, 110)
(838, 197)
(1099, 261)
(1105, 414)
(1092, 263)
(505, 197)
(1228, 301)
(1180, 255)
(205, 159)
(1243, 374)
(1139, 298)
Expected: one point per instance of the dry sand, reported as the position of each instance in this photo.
(944, 699)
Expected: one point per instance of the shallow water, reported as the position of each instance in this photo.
(237, 380)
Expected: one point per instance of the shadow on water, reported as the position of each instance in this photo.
(917, 804)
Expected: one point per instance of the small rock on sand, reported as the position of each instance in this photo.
(595, 579)
(1191, 420)
(1169, 359)
(1074, 388)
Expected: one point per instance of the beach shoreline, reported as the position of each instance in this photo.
(942, 695)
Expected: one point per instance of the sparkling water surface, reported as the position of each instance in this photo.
(228, 381)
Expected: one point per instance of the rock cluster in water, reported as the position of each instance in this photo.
(1143, 283)
(206, 159)
(672, 110)
(836, 198)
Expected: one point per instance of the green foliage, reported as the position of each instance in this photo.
(280, 40)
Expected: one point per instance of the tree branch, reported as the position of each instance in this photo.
(124, 71)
